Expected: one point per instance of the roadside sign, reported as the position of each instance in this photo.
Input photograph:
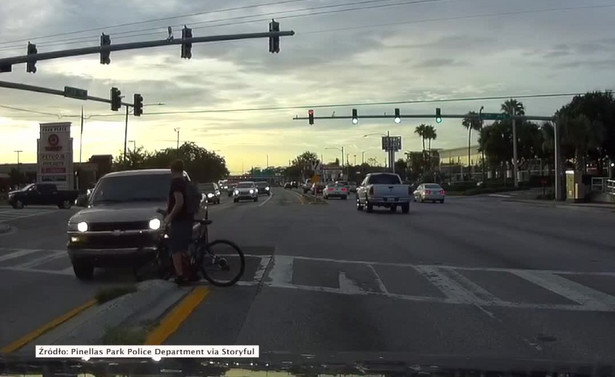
(315, 179)
(75, 93)
(495, 116)
(391, 143)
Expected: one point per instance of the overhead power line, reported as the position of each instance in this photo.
(295, 107)
(153, 20)
(232, 21)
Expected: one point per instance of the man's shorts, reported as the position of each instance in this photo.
(180, 236)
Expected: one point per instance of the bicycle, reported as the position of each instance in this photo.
(202, 256)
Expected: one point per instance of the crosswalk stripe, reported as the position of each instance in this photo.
(450, 288)
(381, 285)
(347, 286)
(282, 271)
(17, 254)
(262, 267)
(569, 289)
(474, 288)
(41, 260)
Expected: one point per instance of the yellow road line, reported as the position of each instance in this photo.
(176, 317)
(47, 327)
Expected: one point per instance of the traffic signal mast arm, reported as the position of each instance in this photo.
(430, 116)
(6, 63)
(38, 89)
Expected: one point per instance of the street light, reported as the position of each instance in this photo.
(177, 130)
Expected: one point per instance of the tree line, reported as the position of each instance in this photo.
(202, 165)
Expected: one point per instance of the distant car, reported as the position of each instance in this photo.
(294, 184)
(306, 186)
(245, 191)
(211, 191)
(231, 188)
(317, 188)
(287, 185)
(263, 188)
(335, 190)
(383, 190)
(352, 186)
(429, 192)
(42, 194)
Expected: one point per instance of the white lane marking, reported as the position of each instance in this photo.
(26, 216)
(17, 254)
(347, 286)
(381, 285)
(473, 288)
(262, 267)
(67, 270)
(265, 202)
(282, 270)
(450, 288)
(499, 195)
(569, 289)
(51, 272)
(41, 260)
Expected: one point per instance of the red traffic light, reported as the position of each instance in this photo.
(311, 116)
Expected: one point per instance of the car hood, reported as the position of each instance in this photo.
(245, 189)
(119, 212)
(15, 191)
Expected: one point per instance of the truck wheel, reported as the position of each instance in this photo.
(83, 270)
(65, 204)
(18, 204)
(405, 208)
(369, 207)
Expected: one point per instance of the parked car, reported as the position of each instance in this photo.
(383, 190)
(335, 190)
(295, 184)
(244, 191)
(288, 185)
(429, 192)
(263, 188)
(42, 194)
(119, 226)
(211, 191)
(307, 186)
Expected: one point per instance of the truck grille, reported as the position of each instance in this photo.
(130, 225)
(117, 242)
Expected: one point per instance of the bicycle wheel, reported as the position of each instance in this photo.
(222, 263)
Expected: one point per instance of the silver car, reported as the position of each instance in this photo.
(245, 191)
(335, 190)
(432, 192)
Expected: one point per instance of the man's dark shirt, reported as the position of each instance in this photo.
(178, 185)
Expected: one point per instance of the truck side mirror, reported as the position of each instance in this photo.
(82, 200)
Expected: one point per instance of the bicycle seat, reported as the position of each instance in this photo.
(203, 221)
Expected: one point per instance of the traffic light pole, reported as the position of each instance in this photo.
(126, 136)
(6, 63)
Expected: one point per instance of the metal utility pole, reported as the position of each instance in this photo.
(177, 130)
(18, 152)
(355, 160)
(362, 158)
(81, 136)
(514, 132)
(558, 161)
(126, 135)
(267, 161)
(480, 118)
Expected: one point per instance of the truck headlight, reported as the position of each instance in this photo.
(82, 226)
(251, 191)
(210, 195)
(154, 224)
(236, 192)
(267, 188)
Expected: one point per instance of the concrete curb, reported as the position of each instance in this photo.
(555, 204)
(152, 300)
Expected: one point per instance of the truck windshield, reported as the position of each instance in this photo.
(384, 179)
(118, 189)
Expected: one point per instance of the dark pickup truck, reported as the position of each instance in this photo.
(42, 194)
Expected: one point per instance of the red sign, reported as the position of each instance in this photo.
(53, 141)
(53, 170)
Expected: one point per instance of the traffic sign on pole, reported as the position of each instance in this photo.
(75, 93)
(495, 116)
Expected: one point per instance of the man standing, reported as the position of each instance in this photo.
(180, 220)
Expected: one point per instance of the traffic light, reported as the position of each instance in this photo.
(355, 117)
(31, 65)
(274, 42)
(116, 99)
(397, 116)
(438, 115)
(311, 116)
(105, 40)
(186, 47)
(138, 103)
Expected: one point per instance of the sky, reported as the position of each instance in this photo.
(349, 52)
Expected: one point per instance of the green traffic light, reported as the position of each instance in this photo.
(438, 120)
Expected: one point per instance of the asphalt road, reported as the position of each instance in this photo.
(477, 277)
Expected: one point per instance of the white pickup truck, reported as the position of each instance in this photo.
(383, 190)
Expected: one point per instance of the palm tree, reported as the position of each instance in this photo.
(582, 134)
(420, 130)
(471, 123)
(430, 134)
(513, 106)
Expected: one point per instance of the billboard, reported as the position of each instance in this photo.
(55, 154)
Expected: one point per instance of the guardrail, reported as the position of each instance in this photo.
(610, 186)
